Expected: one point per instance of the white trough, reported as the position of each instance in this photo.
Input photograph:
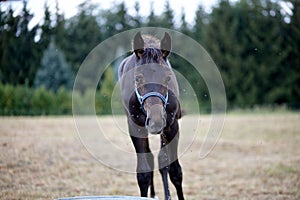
(105, 198)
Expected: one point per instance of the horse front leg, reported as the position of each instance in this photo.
(145, 174)
(145, 160)
(163, 161)
(175, 171)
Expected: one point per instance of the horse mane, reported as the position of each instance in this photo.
(149, 42)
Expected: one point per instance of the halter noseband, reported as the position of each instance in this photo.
(151, 94)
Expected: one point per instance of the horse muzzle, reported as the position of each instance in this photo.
(156, 120)
(155, 127)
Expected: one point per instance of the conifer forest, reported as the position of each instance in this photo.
(254, 43)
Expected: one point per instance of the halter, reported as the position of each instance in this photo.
(151, 94)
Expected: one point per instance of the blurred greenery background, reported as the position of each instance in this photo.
(254, 43)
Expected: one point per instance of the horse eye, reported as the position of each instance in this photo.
(168, 78)
(141, 51)
(138, 78)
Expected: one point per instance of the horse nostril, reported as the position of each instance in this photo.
(148, 121)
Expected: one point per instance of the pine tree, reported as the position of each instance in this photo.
(103, 101)
(82, 34)
(19, 55)
(184, 26)
(2, 23)
(59, 28)
(116, 20)
(200, 26)
(221, 44)
(168, 16)
(9, 66)
(137, 19)
(28, 53)
(153, 20)
(47, 30)
(54, 72)
(292, 61)
(165, 20)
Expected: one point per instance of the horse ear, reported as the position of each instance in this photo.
(138, 45)
(165, 45)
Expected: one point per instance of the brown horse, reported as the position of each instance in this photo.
(151, 101)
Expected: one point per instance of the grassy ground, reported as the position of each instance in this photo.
(257, 157)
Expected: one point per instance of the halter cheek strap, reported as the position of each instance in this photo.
(151, 94)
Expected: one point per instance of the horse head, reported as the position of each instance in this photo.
(152, 74)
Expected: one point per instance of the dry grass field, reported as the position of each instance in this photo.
(257, 157)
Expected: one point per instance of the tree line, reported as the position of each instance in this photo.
(254, 43)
